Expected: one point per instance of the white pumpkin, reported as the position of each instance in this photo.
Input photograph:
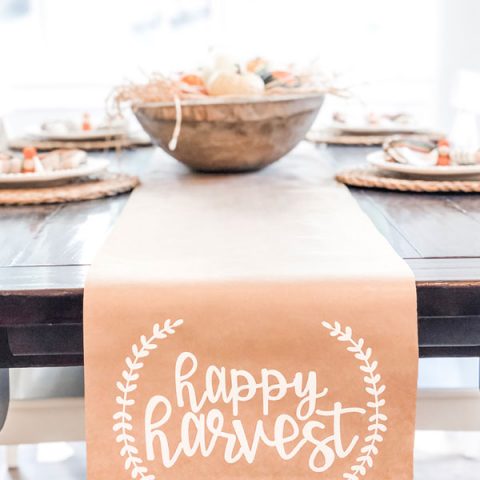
(218, 63)
(226, 83)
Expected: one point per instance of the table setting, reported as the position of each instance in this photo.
(239, 243)
(84, 132)
(58, 176)
(417, 164)
(240, 236)
(241, 226)
(34, 171)
(368, 127)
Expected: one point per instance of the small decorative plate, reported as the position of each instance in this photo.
(41, 179)
(378, 159)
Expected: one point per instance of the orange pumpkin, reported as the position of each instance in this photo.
(256, 65)
(193, 80)
(284, 77)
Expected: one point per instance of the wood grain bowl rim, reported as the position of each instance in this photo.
(232, 100)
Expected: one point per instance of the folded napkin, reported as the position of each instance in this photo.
(427, 153)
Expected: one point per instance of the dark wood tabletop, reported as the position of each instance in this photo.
(45, 252)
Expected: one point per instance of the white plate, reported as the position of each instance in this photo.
(99, 134)
(389, 128)
(93, 165)
(377, 159)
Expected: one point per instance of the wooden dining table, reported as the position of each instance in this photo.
(46, 250)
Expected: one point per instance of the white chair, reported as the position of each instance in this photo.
(46, 405)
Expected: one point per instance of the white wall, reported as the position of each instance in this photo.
(459, 48)
(406, 53)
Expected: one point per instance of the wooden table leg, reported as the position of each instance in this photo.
(4, 395)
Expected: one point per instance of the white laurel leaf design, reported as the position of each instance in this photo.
(130, 375)
(371, 379)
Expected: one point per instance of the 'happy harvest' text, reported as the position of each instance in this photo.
(314, 423)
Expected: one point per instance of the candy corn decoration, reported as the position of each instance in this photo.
(443, 153)
(29, 155)
(86, 125)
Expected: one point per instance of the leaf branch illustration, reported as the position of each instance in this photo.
(130, 375)
(372, 378)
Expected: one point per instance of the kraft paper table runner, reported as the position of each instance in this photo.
(249, 326)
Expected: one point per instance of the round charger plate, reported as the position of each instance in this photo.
(334, 137)
(90, 145)
(370, 177)
(94, 134)
(80, 189)
(378, 159)
(40, 179)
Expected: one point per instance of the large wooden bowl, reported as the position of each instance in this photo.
(234, 135)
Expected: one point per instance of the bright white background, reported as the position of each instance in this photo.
(74, 51)
(402, 54)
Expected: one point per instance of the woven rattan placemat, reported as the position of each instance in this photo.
(368, 177)
(90, 145)
(332, 137)
(107, 185)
